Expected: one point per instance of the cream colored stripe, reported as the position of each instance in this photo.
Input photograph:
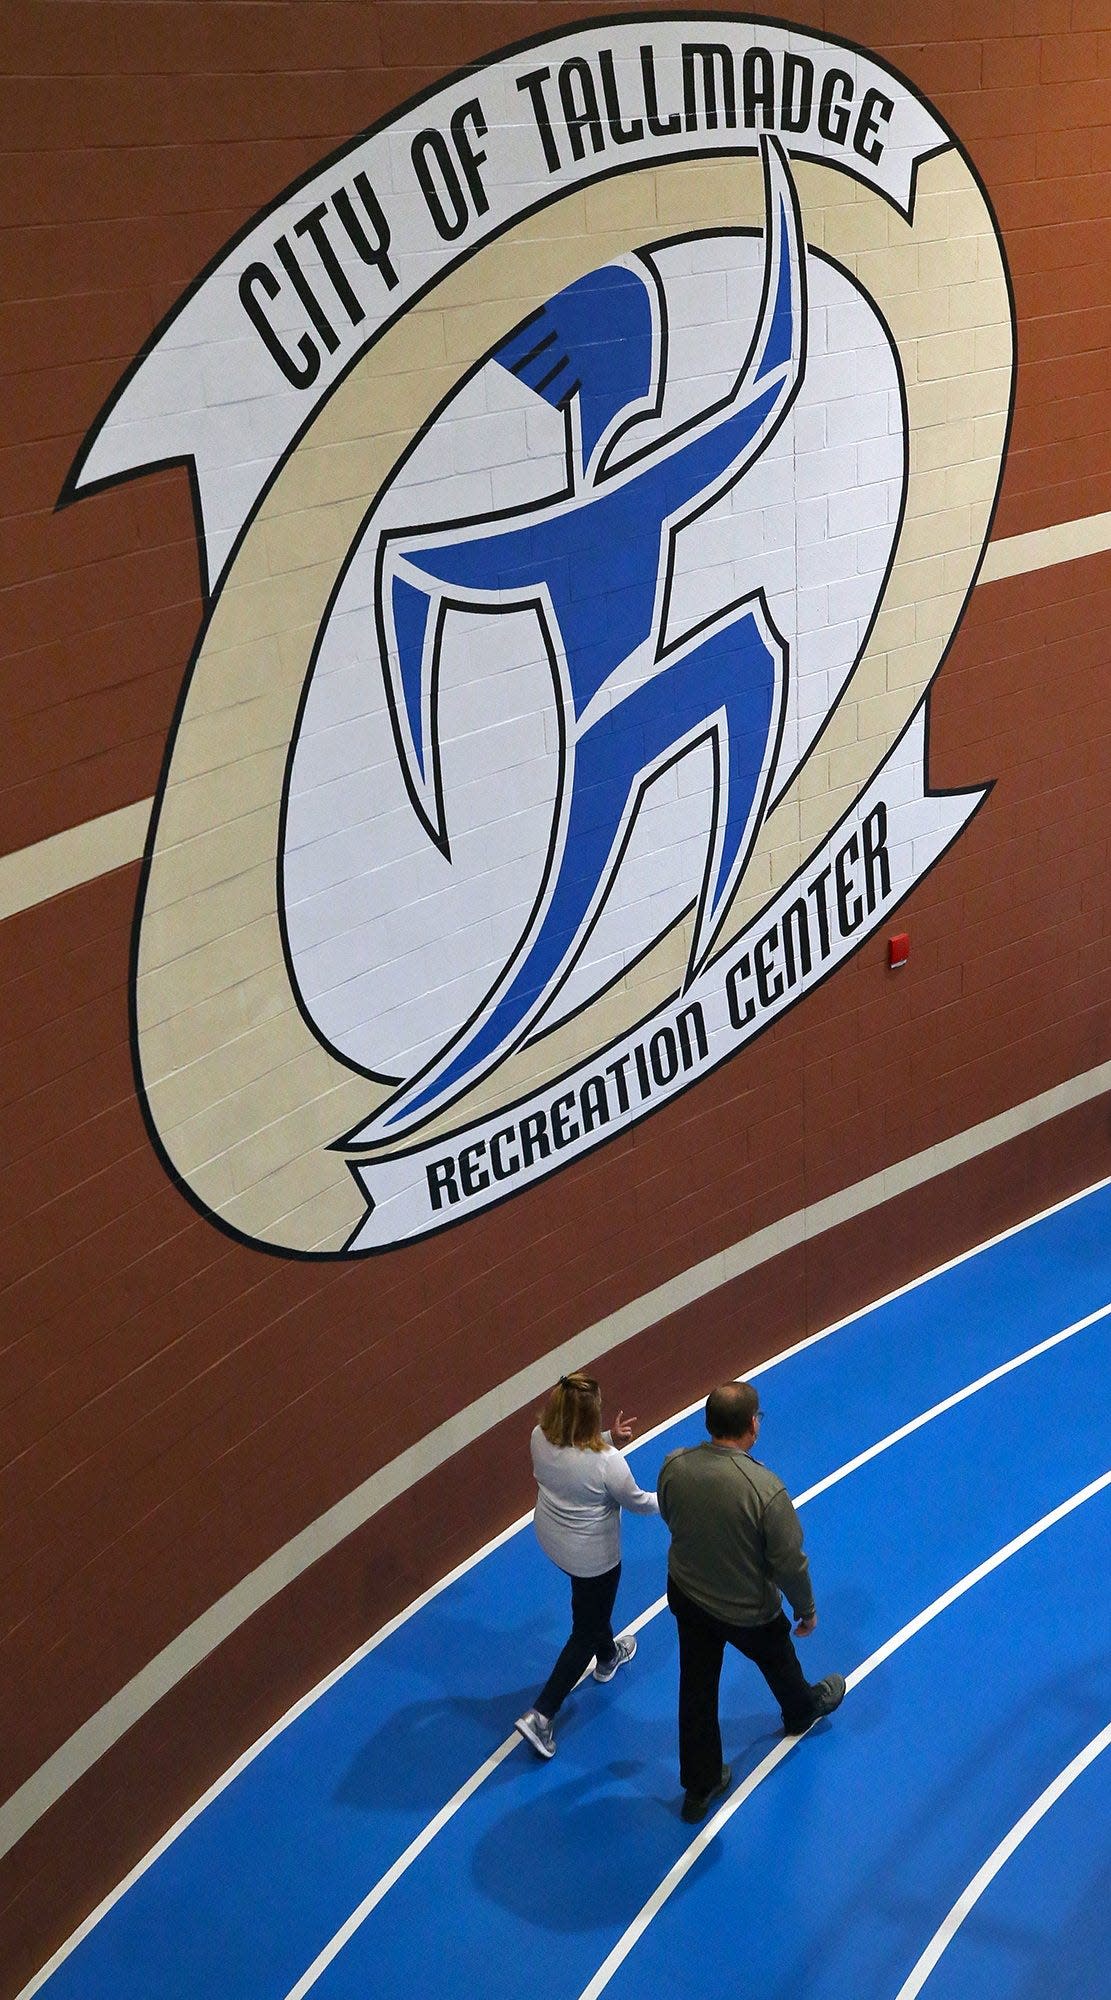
(1020, 554)
(110, 1723)
(33, 874)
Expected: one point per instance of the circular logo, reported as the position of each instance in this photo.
(594, 464)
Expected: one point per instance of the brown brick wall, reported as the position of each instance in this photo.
(174, 1406)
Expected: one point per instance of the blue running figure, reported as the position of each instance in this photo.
(596, 566)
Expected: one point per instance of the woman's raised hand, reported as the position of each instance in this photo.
(622, 1427)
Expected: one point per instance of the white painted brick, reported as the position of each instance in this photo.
(832, 561)
(872, 552)
(865, 417)
(702, 301)
(810, 428)
(821, 472)
(842, 328)
(485, 441)
(814, 694)
(810, 522)
(863, 507)
(839, 376)
(813, 608)
(833, 645)
(850, 599)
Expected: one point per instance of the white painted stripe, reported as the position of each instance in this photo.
(951, 1402)
(946, 1932)
(235, 1770)
(662, 1893)
(905, 1430)
(82, 853)
(88, 1743)
(467, 1791)
(382, 1887)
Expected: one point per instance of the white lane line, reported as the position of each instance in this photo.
(946, 1932)
(385, 1883)
(467, 1791)
(236, 1770)
(710, 1831)
(762, 1368)
(950, 1402)
(97, 1735)
(386, 1631)
(916, 1423)
(405, 1861)
(394, 1624)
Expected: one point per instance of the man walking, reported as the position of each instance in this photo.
(736, 1542)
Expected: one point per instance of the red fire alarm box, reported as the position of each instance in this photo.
(898, 950)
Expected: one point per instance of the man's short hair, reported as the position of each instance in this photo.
(731, 1410)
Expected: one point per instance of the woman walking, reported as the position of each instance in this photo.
(582, 1484)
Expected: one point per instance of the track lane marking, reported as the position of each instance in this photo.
(675, 1875)
(404, 1861)
(466, 1791)
(102, 1730)
(948, 1928)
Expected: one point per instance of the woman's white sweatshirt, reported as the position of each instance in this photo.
(578, 1504)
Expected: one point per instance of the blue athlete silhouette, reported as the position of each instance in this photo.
(596, 566)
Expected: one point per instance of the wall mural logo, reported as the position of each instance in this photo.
(592, 465)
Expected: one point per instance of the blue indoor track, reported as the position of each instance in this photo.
(394, 1837)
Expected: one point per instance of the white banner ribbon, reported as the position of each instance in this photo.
(893, 835)
(257, 345)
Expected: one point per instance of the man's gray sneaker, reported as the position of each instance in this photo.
(537, 1730)
(828, 1695)
(623, 1653)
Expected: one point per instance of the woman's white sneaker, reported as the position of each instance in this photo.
(623, 1653)
(537, 1730)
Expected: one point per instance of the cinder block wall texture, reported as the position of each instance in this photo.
(189, 1392)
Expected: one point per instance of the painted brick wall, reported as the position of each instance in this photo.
(177, 1405)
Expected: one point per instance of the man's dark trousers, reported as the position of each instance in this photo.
(702, 1642)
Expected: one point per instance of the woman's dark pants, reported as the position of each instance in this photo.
(702, 1642)
(592, 1601)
